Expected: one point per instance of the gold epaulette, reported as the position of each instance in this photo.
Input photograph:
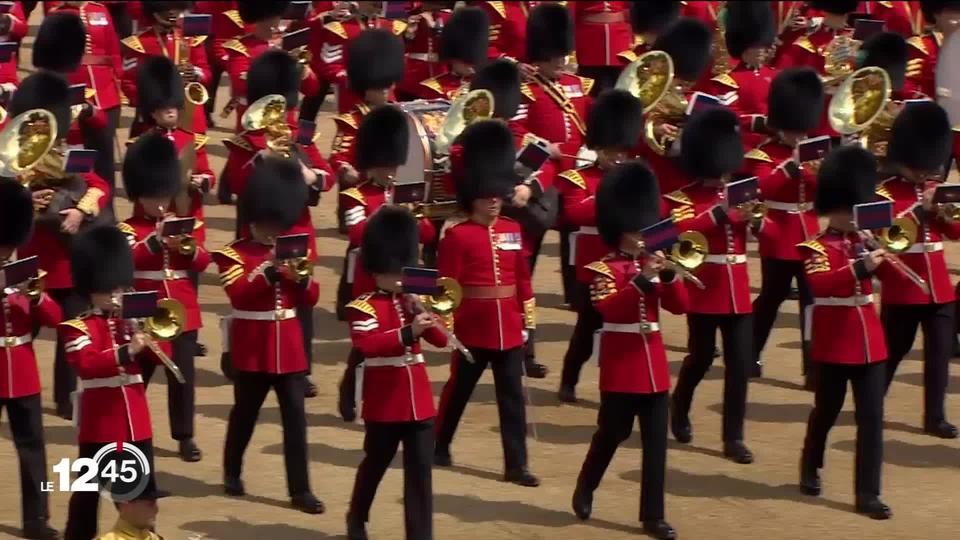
(884, 192)
(229, 276)
(918, 43)
(90, 202)
(337, 28)
(354, 194)
(362, 305)
(628, 55)
(234, 15)
(587, 84)
(348, 119)
(240, 141)
(230, 253)
(399, 26)
(726, 80)
(679, 196)
(804, 43)
(575, 177)
(886, 4)
(758, 155)
(433, 84)
(814, 245)
(236, 45)
(126, 229)
(78, 324)
(200, 140)
(197, 40)
(499, 8)
(600, 267)
(134, 43)
(527, 92)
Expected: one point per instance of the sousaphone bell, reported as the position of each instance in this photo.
(270, 114)
(471, 107)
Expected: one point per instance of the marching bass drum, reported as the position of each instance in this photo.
(948, 80)
(424, 118)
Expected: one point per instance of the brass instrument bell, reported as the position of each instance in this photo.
(898, 237)
(167, 323)
(690, 250)
(301, 267)
(196, 93)
(26, 141)
(471, 107)
(302, 55)
(35, 286)
(860, 100)
(447, 300)
(269, 113)
(648, 78)
(187, 245)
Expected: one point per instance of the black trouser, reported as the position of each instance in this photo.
(580, 347)
(64, 379)
(305, 316)
(507, 369)
(568, 272)
(25, 415)
(603, 77)
(530, 347)
(900, 324)
(180, 397)
(310, 105)
(348, 388)
(216, 72)
(867, 382)
(380, 445)
(777, 277)
(102, 141)
(614, 426)
(249, 391)
(737, 335)
(344, 289)
(84, 506)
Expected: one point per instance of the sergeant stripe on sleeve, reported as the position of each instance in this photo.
(367, 325)
(78, 344)
(354, 215)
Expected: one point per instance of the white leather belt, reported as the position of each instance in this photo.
(724, 259)
(109, 382)
(632, 328)
(848, 301)
(394, 361)
(793, 207)
(273, 315)
(925, 247)
(588, 230)
(10, 342)
(424, 57)
(160, 275)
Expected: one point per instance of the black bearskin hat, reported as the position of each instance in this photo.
(44, 90)
(274, 72)
(932, 8)
(549, 33)
(374, 60)
(101, 261)
(688, 43)
(488, 161)
(795, 101)
(252, 11)
(710, 144)
(748, 24)
(653, 16)
(391, 241)
(502, 79)
(847, 177)
(16, 213)
(150, 7)
(382, 140)
(628, 200)
(921, 138)
(60, 42)
(465, 36)
(275, 194)
(159, 86)
(615, 121)
(151, 167)
(887, 50)
(838, 7)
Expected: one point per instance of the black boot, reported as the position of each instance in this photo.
(679, 423)
(310, 389)
(534, 369)
(809, 477)
(65, 410)
(873, 507)
(942, 429)
(188, 451)
(738, 452)
(40, 530)
(567, 393)
(521, 477)
(659, 529)
(307, 503)
(442, 458)
(201, 350)
(582, 503)
(233, 486)
(356, 528)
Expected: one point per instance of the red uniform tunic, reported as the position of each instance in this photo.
(724, 272)
(150, 42)
(423, 46)
(904, 18)
(922, 63)
(844, 325)
(555, 111)
(788, 14)
(51, 245)
(926, 256)
(708, 13)
(18, 29)
(508, 28)
(241, 52)
(225, 25)
(578, 189)
(264, 334)
(602, 30)
(112, 402)
(330, 46)
(19, 376)
(396, 387)
(163, 270)
(97, 119)
(632, 357)
(498, 300)
(745, 89)
(343, 150)
(790, 217)
(101, 67)
(447, 85)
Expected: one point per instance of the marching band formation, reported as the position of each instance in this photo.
(656, 137)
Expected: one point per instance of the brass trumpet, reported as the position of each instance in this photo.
(301, 267)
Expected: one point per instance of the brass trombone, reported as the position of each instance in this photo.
(164, 325)
(443, 304)
(897, 239)
(686, 255)
(469, 108)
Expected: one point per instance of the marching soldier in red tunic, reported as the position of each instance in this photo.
(13, 27)
(484, 254)
(80, 204)
(265, 340)
(225, 25)
(840, 273)
(463, 47)
(925, 47)
(397, 399)
(602, 31)
(19, 376)
(422, 38)
(103, 349)
(165, 38)
(628, 287)
(903, 18)
(920, 144)
(711, 152)
(788, 187)
(647, 20)
(794, 20)
(613, 129)
(508, 28)
(151, 178)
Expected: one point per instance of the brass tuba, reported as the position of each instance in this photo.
(898, 237)
(26, 143)
(269, 113)
(465, 110)
(648, 78)
(860, 101)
